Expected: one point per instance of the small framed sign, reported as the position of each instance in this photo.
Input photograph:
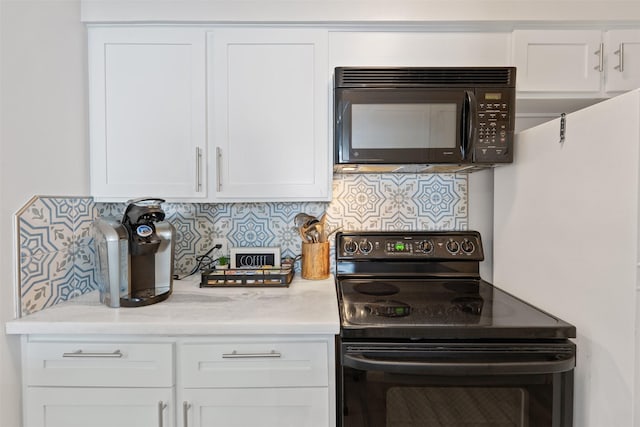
(256, 257)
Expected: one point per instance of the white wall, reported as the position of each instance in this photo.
(43, 148)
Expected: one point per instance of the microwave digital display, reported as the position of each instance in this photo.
(493, 96)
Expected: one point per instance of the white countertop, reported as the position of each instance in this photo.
(305, 307)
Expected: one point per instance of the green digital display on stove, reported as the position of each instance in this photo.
(400, 246)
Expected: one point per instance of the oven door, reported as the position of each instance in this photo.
(456, 384)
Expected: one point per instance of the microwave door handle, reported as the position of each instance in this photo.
(364, 363)
(470, 123)
(342, 150)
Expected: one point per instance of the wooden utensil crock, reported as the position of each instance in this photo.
(315, 260)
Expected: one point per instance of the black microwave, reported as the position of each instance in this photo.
(422, 119)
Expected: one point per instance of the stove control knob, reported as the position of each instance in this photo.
(350, 247)
(467, 246)
(365, 246)
(453, 247)
(425, 246)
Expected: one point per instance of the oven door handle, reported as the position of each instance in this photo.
(365, 363)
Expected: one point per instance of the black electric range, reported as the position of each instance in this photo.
(425, 341)
(426, 285)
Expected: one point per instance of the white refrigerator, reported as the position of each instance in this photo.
(566, 238)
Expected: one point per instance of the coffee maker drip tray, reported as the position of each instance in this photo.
(143, 297)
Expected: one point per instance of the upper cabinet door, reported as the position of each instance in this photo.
(418, 49)
(268, 114)
(623, 60)
(147, 112)
(558, 60)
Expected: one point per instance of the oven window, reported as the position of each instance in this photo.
(398, 126)
(454, 406)
(379, 399)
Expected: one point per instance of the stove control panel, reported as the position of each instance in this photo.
(440, 245)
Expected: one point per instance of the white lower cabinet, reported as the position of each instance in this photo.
(98, 407)
(140, 381)
(264, 407)
(270, 383)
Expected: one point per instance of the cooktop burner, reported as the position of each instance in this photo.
(417, 301)
(426, 285)
(376, 288)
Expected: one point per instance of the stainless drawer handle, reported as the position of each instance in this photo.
(600, 53)
(198, 169)
(218, 171)
(79, 353)
(235, 355)
(161, 408)
(620, 53)
(185, 413)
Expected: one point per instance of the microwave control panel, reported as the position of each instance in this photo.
(494, 131)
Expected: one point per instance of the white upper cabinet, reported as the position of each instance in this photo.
(557, 60)
(576, 63)
(268, 100)
(418, 49)
(147, 112)
(622, 60)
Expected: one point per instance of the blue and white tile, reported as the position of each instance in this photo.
(56, 253)
(38, 222)
(39, 277)
(441, 199)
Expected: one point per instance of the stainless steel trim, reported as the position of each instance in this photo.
(620, 53)
(79, 353)
(218, 173)
(235, 355)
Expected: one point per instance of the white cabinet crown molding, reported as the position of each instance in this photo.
(371, 11)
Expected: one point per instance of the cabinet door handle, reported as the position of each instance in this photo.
(218, 173)
(235, 355)
(600, 53)
(198, 169)
(185, 413)
(161, 408)
(620, 53)
(79, 353)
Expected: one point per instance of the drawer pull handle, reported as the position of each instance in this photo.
(185, 413)
(235, 355)
(620, 53)
(79, 353)
(198, 169)
(600, 53)
(161, 408)
(218, 171)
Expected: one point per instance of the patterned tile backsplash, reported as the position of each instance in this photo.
(57, 259)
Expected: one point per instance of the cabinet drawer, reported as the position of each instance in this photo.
(84, 364)
(259, 364)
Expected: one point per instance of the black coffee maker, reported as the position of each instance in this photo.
(135, 255)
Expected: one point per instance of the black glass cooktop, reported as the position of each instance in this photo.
(439, 309)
